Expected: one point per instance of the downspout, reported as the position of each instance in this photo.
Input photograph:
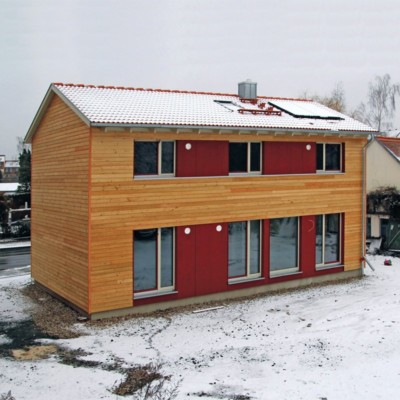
(364, 211)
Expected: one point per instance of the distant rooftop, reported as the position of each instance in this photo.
(8, 187)
(391, 144)
(12, 164)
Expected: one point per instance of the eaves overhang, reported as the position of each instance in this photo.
(228, 129)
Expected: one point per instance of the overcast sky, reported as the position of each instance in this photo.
(288, 46)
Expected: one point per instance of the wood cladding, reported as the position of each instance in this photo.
(60, 177)
(86, 202)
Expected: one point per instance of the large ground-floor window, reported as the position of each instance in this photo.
(244, 250)
(328, 239)
(154, 260)
(284, 245)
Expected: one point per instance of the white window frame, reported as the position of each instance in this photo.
(159, 289)
(249, 275)
(159, 160)
(249, 172)
(324, 170)
(288, 271)
(333, 264)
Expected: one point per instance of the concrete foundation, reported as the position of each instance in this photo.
(149, 308)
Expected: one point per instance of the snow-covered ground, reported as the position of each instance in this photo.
(12, 244)
(339, 341)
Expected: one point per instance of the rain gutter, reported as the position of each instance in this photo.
(233, 128)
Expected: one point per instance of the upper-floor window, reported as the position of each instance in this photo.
(154, 158)
(245, 157)
(329, 157)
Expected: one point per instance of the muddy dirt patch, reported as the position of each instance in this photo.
(50, 315)
(20, 335)
(34, 352)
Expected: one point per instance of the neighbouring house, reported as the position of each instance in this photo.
(383, 171)
(145, 199)
(12, 217)
(11, 171)
(2, 166)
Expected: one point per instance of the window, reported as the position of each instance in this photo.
(369, 227)
(245, 157)
(244, 250)
(154, 158)
(327, 249)
(329, 157)
(154, 260)
(384, 230)
(284, 243)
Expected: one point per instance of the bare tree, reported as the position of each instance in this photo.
(21, 145)
(381, 103)
(336, 100)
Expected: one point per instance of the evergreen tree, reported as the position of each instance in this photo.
(24, 178)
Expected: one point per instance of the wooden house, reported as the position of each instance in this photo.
(145, 199)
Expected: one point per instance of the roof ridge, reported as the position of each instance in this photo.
(173, 91)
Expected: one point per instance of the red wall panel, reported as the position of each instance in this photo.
(185, 261)
(204, 158)
(289, 158)
(343, 157)
(211, 259)
(185, 159)
(307, 245)
(265, 248)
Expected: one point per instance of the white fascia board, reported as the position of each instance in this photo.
(39, 114)
(43, 108)
(79, 113)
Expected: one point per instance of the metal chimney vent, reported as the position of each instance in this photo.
(248, 90)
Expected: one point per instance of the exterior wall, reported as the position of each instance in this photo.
(121, 204)
(60, 204)
(379, 163)
(376, 224)
(289, 158)
(190, 162)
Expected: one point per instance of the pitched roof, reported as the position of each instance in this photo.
(129, 107)
(392, 145)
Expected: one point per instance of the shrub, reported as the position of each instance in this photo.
(147, 382)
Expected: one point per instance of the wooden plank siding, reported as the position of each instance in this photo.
(60, 204)
(120, 203)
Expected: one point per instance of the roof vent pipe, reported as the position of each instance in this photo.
(248, 90)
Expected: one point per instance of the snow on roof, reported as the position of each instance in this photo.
(12, 164)
(8, 187)
(108, 106)
(391, 144)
